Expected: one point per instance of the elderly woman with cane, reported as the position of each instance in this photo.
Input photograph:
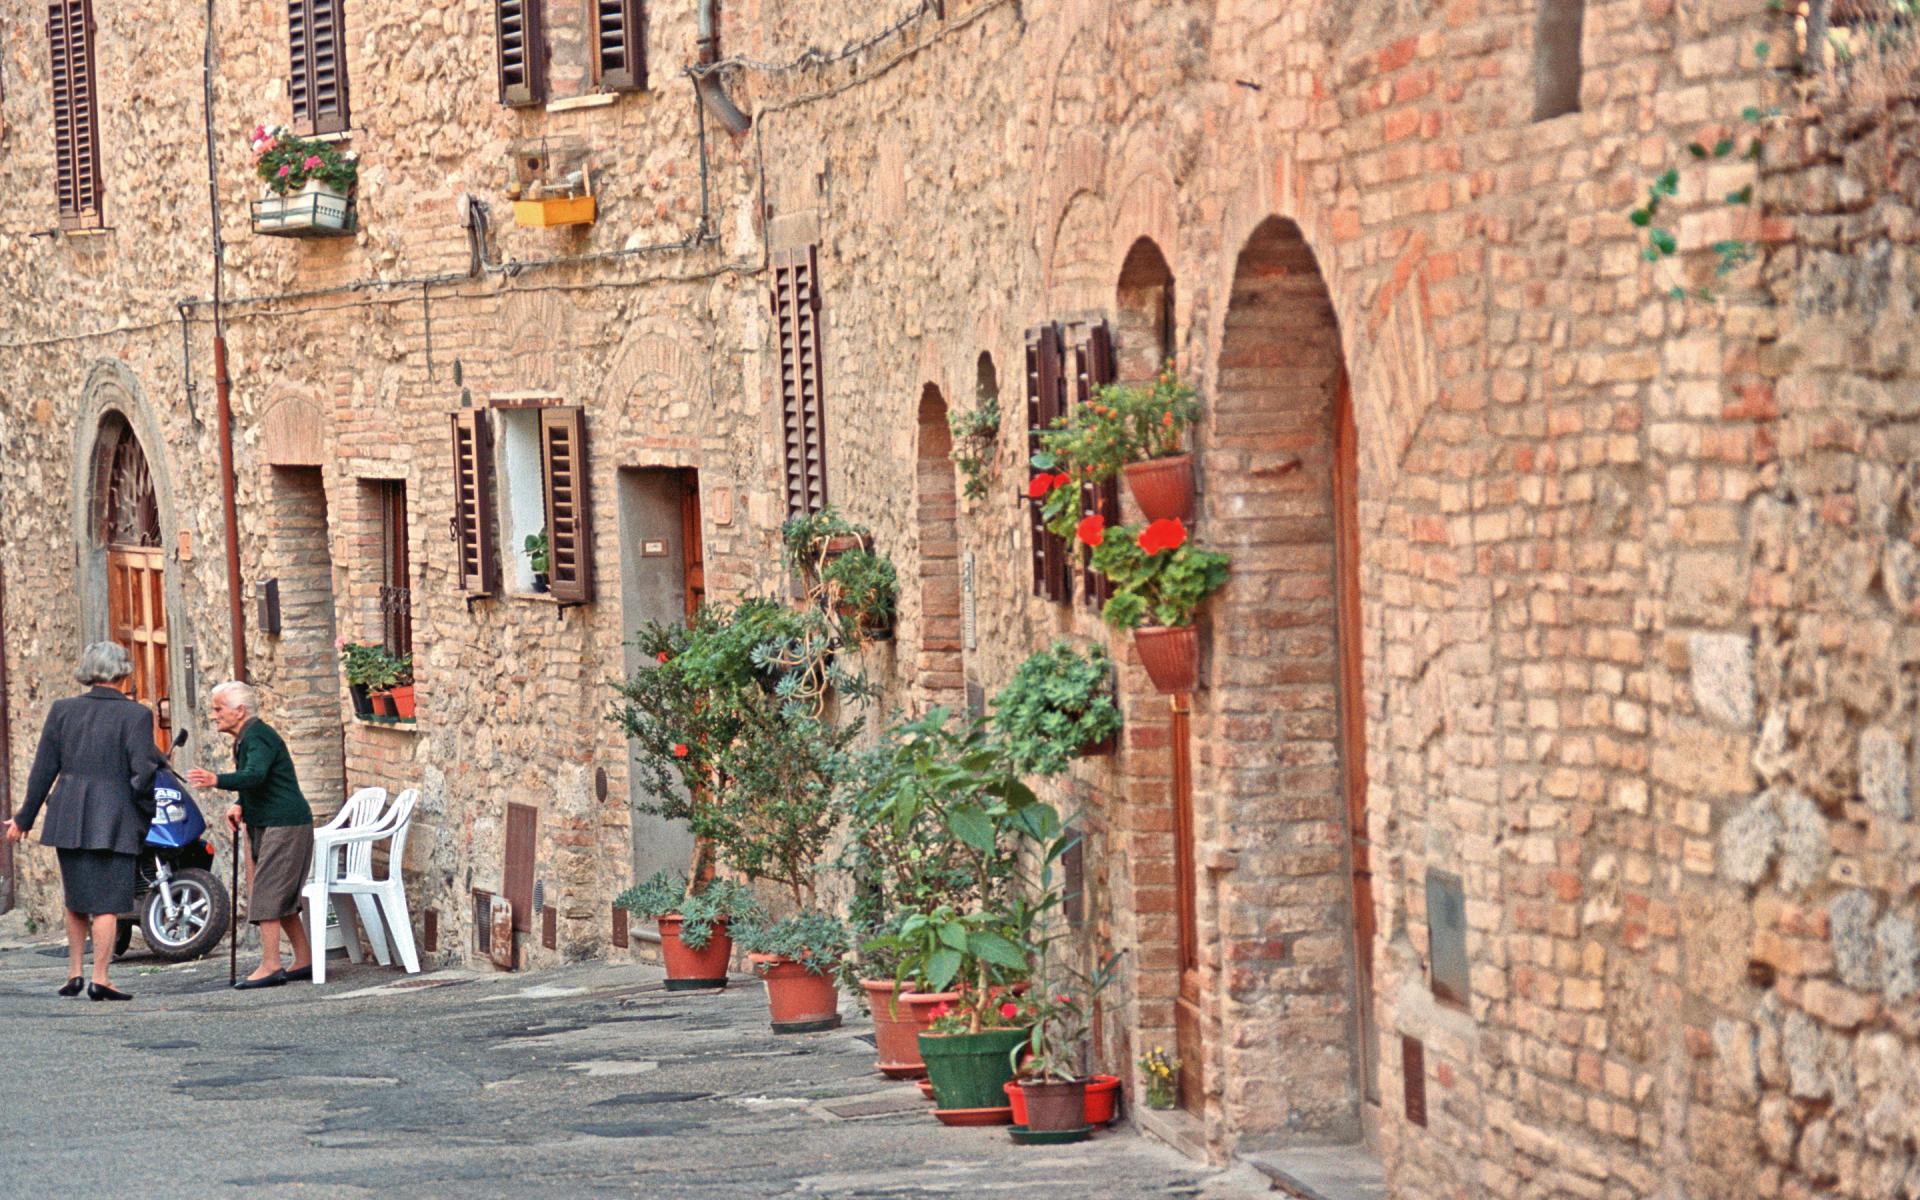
(94, 774)
(279, 831)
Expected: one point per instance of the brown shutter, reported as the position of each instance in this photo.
(563, 447)
(523, 821)
(1051, 575)
(317, 84)
(1090, 364)
(620, 44)
(473, 521)
(521, 50)
(75, 114)
(796, 318)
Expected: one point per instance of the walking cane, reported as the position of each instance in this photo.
(233, 920)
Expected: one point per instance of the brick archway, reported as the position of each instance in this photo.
(938, 666)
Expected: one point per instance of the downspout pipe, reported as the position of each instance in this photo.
(706, 80)
(222, 382)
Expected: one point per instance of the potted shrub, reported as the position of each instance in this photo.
(539, 558)
(1058, 704)
(364, 666)
(1130, 431)
(309, 180)
(1160, 580)
(1053, 1080)
(863, 589)
(694, 925)
(799, 959)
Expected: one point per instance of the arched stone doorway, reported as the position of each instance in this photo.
(126, 509)
(1285, 769)
(937, 658)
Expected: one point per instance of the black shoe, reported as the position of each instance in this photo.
(101, 991)
(72, 986)
(301, 974)
(265, 981)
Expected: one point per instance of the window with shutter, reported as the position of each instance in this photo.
(1090, 364)
(396, 590)
(521, 51)
(563, 448)
(1052, 576)
(473, 532)
(619, 44)
(317, 82)
(796, 319)
(75, 114)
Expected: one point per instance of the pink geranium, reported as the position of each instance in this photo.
(313, 163)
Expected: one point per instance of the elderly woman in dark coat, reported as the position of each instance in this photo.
(93, 772)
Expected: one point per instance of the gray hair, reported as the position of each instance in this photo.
(239, 695)
(103, 662)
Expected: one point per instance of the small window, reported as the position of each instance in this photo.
(523, 510)
(1556, 58)
(549, 51)
(317, 52)
(396, 592)
(1447, 937)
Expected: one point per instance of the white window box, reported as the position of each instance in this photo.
(316, 210)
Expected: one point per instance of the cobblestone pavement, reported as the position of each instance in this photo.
(587, 1081)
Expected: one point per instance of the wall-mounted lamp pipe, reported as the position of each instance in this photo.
(713, 93)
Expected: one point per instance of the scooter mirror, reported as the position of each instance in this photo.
(179, 738)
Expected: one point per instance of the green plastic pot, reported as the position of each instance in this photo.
(971, 1070)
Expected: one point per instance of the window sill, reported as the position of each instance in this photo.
(589, 100)
(398, 724)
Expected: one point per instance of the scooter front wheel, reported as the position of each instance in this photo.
(200, 918)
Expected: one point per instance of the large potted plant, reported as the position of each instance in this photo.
(1160, 579)
(309, 182)
(1058, 704)
(799, 959)
(1131, 431)
(1054, 1076)
(695, 940)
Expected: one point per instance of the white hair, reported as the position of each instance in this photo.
(239, 695)
(103, 662)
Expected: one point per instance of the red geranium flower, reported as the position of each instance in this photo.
(662, 656)
(1092, 529)
(1009, 1010)
(1168, 533)
(941, 1011)
(679, 749)
(1039, 486)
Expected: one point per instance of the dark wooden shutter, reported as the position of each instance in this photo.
(396, 588)
(620, 44)
(1090, 364)
(317, 83)
(523, 822)
(563, 448)
(1045, 402)
(521, 50)
(473, 520)
(796, 319)
(76, 111)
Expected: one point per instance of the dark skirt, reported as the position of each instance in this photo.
(97, 881)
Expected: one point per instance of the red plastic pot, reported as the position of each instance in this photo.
(382, 704)
(801, 1001)
(694, 970)
(1171, 656)
(895, 1029)
(1162, 487)
(1102, 1093)
(402, 700)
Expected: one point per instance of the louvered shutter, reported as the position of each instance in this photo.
(563, 448)
(796, 319)
(75, 114)
(1090, 364)
(620, 44)
(1051, 573)
(521, 50)
(317, 82)
(473, 520)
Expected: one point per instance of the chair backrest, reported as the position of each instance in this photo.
(401, 817)
(361, 807)
(360, 854)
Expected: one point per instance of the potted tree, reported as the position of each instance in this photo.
(1130, 431)
(539, 558)
(1053, 1084)
(694, 925)
(1160, 580)
(1058, 704)
(364, 666)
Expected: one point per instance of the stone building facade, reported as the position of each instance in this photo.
(1544, 817)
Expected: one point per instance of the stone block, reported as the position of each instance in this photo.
(1722, 677)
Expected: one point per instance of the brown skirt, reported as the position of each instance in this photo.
(282, 860)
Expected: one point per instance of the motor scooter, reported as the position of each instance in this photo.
(180, 907)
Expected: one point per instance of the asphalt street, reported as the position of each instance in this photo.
(591, 1080)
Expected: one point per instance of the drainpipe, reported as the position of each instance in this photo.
(6, 757)
(707, 82)
(222, 383)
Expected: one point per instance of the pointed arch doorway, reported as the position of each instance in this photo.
(129, 512)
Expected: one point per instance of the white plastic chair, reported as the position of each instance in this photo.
(361, 811)
(382, 902)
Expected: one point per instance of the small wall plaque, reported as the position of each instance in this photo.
(653, 549)
(1447, 937)
(968, 629)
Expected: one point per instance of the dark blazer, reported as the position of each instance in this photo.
(99, 747)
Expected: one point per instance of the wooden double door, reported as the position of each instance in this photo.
(137, 619)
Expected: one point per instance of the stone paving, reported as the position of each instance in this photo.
(588, 1080)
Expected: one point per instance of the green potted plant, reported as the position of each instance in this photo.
(398, 683)
(694, 925)
(308, 180)
(863, 589)
(1131, 431)
(811, 540)
(1058, 704)
(799, 958)
(974, 433)
(1162, 1073)
(364, 666)
(1160, 579)
(539, 558)
(1053, 1079)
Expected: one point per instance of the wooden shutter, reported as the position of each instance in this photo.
(75, 114)
(521, 51)
(1090, 364)
(563, 449)
(796, 319)
(1045, 396)
(620, 44)
(523, 821)
(473, 520)
(317, 83)
(396, 587)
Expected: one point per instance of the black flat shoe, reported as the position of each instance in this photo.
(72, 986)
(301, 974)
(101, 991)
(265, 981)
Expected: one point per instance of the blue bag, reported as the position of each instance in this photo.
(176, 818)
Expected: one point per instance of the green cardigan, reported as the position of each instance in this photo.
(263, 775)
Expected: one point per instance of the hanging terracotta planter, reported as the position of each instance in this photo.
(1162, 487)
(1170, 655)
(695, 970)
(895, 1029)
(801, 1000)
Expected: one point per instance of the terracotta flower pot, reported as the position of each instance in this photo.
(1054, 1104)
(1100, 749)
(1170, 655)
(694, 970)
(801, 1000)
(402, 700)
(895, 1029)
(1102, 1092)
(921, 1006)
(1162, 487)
(382, 704)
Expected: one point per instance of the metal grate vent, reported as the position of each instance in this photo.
(1413, 1068)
